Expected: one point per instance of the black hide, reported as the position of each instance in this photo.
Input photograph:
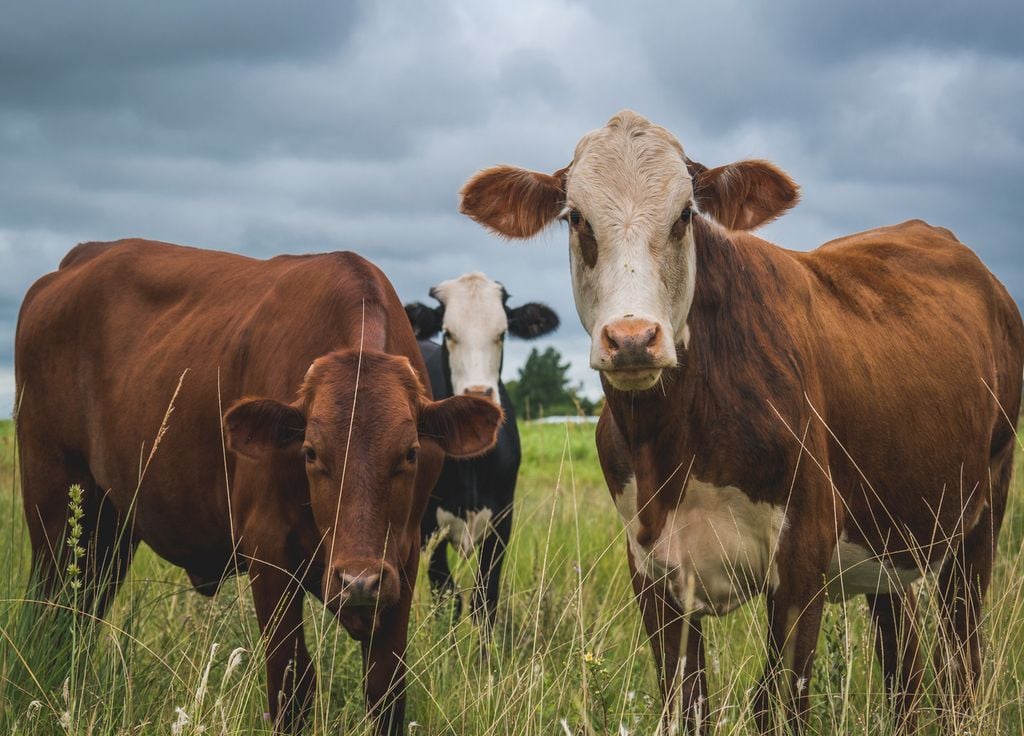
(488, 481)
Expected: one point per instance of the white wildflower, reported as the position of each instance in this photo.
(201, 690)
(178, 727)
(234, 659)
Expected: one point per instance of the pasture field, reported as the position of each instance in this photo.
(568, 655)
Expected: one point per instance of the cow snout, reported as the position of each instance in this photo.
(354, 586)
(629, 341)
(632, 352)
(480, 392)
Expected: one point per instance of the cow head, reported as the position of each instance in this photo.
(474, 317)
(356, 429)
(630, 197)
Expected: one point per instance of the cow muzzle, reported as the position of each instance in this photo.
(482, 392)
(356, 591)
(631, 352)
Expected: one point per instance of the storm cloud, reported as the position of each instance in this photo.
(261, 127)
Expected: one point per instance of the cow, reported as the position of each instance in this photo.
(802, 425)
(125, 356)
(472, 500)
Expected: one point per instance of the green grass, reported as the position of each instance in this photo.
(568, 649)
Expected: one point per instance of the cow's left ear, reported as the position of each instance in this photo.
(464, 426)
(743, 195)
(531, 320)
(426, 322)
(255, 427)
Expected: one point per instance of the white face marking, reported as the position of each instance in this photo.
(629, 181)
(465, 534)
(854, 571)
(476, 323)
(716, 549)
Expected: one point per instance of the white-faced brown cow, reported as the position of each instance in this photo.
(805, 425)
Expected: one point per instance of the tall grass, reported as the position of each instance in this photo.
(568, 653)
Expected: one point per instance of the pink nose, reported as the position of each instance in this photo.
(481, 392)
(630, 343)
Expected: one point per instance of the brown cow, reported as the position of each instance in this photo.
(333, 452)
(776, 419)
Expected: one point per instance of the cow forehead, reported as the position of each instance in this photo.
(472, 300)
(629, 170)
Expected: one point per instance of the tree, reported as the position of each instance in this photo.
(543, 387)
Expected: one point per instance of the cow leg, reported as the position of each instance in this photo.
(108, 556)
(291, 677)
(795, 609)
(384, 659)
(963, 583)
(441, 583)
(665, 625)
(898, 649)
(106, 544)
(46, 477)
(490, 559)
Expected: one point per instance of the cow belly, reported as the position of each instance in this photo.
(716, 549)
(854, 570)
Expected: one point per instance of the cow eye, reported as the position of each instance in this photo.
(448, 335)
(686, 215)
(310, 454)
(410, 456)
(575, 218)
(501, 338)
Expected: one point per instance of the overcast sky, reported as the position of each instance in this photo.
(251, 127)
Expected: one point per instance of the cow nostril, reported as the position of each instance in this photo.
(651, 336)
(610, 343)
(489, 392)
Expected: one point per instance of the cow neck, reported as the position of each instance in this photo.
(707, 418)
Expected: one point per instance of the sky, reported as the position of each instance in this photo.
(263, 127)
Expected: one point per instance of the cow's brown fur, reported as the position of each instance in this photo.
(870, 387)
(101, 347)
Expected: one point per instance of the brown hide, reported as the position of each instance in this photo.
(871, 387)
(127, 358)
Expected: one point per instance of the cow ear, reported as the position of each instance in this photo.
(514, 202)
(254, 427)
(531, 320)
(743, 195)
(426, 321)
(464, 426)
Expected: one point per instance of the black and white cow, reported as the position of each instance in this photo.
(473, 498)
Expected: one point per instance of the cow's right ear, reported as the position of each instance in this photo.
(426, 322)
(253, 427)
(514, 202)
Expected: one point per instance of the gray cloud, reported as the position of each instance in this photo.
(263, 128)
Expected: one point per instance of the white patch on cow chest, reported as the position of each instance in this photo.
(854, 570)
(465, 533)
(716, 549)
